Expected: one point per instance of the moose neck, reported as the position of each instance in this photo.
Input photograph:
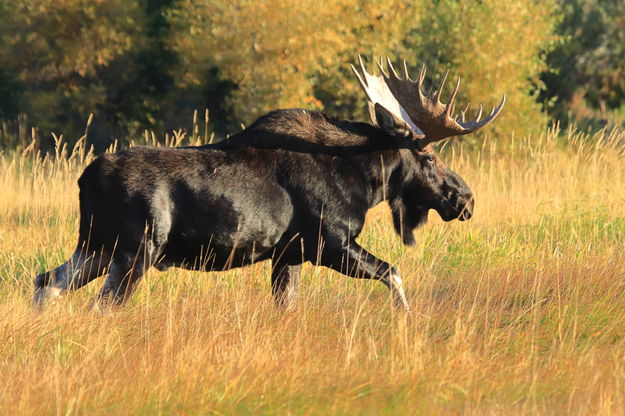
(378, 159)
(379, 167)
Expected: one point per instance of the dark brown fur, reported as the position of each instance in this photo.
(294, 186)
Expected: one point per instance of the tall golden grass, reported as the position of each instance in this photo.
(520, 310)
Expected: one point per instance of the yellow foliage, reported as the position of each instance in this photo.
(276, 50)
(57, 38)
(54, 50)
(496, 47)
(286, 53)
(60, 58)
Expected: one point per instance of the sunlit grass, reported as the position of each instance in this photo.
(520, 310)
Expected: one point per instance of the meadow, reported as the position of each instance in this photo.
(519, 311)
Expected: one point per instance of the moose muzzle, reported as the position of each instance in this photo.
(457, 201)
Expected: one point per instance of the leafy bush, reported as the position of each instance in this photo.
(587, 83)
(281, 55)
(55, 52)
(496, 47)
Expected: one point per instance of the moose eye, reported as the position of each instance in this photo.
(429, 159)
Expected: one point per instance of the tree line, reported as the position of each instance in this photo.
(148, 64)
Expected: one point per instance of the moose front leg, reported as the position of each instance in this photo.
(356, 262)
(285, 283)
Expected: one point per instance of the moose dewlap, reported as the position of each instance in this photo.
(295, 186)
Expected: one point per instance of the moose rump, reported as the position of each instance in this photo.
(191, 208)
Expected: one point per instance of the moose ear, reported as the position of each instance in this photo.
(388, 122)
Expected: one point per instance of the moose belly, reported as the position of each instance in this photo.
(223, 233)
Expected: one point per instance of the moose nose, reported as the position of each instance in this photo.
(467, 211)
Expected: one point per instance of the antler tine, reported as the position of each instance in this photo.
(406, 71)
(438, 93)
(449, 110)
(355, 71)
(493, 110)
(499, 107)
(479, 114)
(391, 69)
(362, 65)
(422, 75)
(476, 124)
(451, 104)
(381, 67)
(497, 110)
(461, 116)
(420, 83)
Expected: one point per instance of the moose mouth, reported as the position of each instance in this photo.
(459, 211)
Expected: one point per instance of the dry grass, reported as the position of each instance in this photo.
(520, 310)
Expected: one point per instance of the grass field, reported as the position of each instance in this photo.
(519, 311)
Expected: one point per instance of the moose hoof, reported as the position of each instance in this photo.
(46, 296)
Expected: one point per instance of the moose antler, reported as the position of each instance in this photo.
(427, 116)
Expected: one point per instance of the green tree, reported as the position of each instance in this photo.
(588, 76)
(55, 50)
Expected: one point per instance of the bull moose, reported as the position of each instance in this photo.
(294, 186)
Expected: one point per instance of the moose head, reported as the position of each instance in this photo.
(399, 107)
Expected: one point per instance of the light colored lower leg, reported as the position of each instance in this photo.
(395, 284)
(79, 270)
(287, 296)
(285, 283)
(59, 282)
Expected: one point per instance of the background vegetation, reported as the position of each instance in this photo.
(519, 310)
(149, 64)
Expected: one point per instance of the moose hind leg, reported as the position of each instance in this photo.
(80, 269)
(120, 283)
(285, 284)
(133, 260)
(125, 273)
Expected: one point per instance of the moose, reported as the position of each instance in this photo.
(295, 186)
